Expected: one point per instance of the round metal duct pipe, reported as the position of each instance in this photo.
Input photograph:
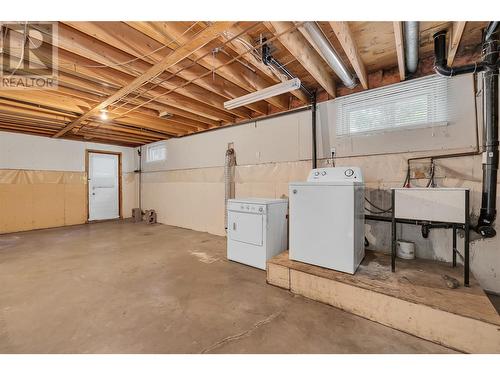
(329, 54)
(412, 37)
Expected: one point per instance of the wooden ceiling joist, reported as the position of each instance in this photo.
(242, 44)
(304, 53)
(74, 50)
(120, 50)
(400, 51)
(139, 45)
(235, 73)
(346, 39)
(456, 35)
(99, 61)
(211, 32)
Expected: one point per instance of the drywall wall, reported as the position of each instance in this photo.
(288, 137)
(43, 182)
(187, 189)
(21, 151)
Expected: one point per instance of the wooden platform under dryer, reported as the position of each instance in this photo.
(415, 299)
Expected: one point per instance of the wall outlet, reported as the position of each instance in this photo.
(333, 152)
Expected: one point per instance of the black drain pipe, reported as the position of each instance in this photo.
(489, 66)
(440, 62)
(313, 123)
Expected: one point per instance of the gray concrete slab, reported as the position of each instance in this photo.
(120, 287)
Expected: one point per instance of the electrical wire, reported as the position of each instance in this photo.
(155, 85)
(203, 75)
(431, 182)
(406, 183)
(143, 56)
(381, 210)
(376, 212)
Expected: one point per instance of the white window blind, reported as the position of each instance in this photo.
(418, 103)
(156, 152)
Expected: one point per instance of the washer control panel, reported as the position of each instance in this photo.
(336, 174)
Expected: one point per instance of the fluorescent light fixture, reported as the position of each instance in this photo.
(268, 92)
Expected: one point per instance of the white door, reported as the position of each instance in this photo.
(103, 186)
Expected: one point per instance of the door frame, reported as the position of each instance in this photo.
(119, 154)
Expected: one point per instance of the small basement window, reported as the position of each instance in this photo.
(418, 103)
(156, 152)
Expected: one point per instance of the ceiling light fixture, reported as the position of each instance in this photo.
(104, 114)
(268, 92)
(165, 115)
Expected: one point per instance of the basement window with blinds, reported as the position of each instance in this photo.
(418, 103)
(156, 152)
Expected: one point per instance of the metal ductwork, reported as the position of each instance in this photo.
(329, 54)
(489, 67)
(411, 43)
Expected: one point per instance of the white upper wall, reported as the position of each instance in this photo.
(21, 151)
(288, 137)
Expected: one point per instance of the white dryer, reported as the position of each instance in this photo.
(327, 226)
(256, 230)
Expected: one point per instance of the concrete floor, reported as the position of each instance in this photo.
(120, 287)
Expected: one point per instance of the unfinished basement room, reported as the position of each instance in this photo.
(283, 185)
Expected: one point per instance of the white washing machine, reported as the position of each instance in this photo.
(327, 226)
(256, 230)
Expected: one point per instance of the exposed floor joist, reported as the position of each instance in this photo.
(298, 46)
(210, 33)
(456, 35)
(398, 36)
(346, 39)
(97, 59)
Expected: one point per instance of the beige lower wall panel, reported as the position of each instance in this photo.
(48, 205)
(75, 204)
(197, 206)
(458, 332)
(16, 202)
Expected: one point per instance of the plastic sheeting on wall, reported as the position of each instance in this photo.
(32, 199)
(41, 199)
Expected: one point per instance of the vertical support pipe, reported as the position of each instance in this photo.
(490, 137)
(466, 238)
(393, 233)
(454, 245)
(229, 164)
(313, 126)
(140, 178)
